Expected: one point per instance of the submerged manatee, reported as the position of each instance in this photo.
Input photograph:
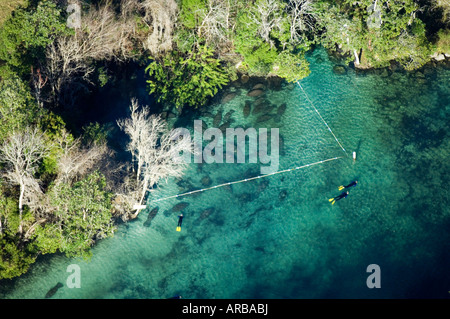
(217, 119)
(255, 93)
(53, 291)
(150, 217)
(247, 108)
(281, 109)
(208, 211)
(180, 206)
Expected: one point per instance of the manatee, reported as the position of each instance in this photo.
(255, 93)
(217, 119)
(224, 126)
(263, 118)
(208, 211)
(281, 109)
(227, 116)
(206, 181)
(259, 107)
(53, 291)
(150, 217)
(227, 98)
(246, 197)
(247, 109)
(259, 86)
(180, 206)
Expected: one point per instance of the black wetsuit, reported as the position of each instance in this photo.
(180, 220)
(354, 183)
(343, 195)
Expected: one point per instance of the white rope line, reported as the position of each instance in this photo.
(246, 179)
(312, 104)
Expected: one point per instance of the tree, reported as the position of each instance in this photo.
(154, 150)
(21, 153)
(375, 32)
(301, 15)
(190, 79)
(102, 36)
(81, 215)
(25, 35)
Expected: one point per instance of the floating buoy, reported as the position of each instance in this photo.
(354, 156)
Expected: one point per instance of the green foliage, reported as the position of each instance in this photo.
(83, 214)
(274, 57)
(443, 43)
(182, 79)
(94, 133)
(390, 32)
(191, 12)
(26, 33)
(14, 261)
(17, 106)
(292, 67)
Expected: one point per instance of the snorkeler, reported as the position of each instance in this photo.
(180, 220)
(334, 199)
(348, 186)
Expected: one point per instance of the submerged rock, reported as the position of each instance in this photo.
(206, 181)
(180, 206)
(244, 78)
(150, 216)
(53, 291)
(282, 195)
(339, 69)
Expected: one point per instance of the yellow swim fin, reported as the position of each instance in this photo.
(178, 228)
(341, 187)
(331, 199)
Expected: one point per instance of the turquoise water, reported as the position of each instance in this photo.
(279, 237)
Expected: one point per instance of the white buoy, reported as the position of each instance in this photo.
(354, 156)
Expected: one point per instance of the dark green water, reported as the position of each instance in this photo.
(279, 237)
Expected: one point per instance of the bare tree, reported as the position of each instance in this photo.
(76, 161)
(216, 21)
(103, 36)
(160, 16)
(301, 16)
(21, 153)
(154, 149)
(268, 17)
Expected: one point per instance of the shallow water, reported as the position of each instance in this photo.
(279, 237)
